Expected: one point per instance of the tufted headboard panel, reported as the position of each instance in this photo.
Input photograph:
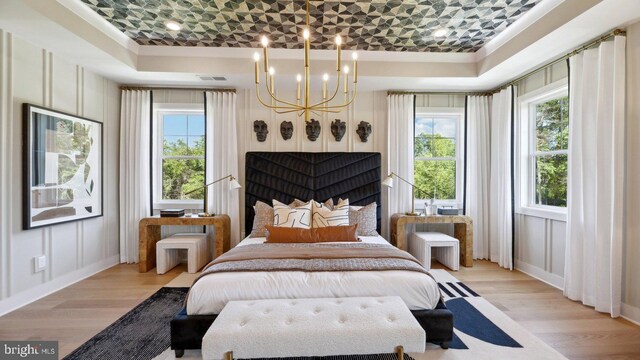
(285, 176)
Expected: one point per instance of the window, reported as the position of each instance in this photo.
(437, 151)
(544, 148)
(549, 159)
(180, 156)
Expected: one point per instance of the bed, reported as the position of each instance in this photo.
(320, 176)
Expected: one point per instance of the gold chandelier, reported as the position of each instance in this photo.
(306, 107)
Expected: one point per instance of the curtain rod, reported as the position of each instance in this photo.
(131, 87)
(601, 39)
(465, 93)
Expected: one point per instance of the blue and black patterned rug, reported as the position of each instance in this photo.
(481, 330)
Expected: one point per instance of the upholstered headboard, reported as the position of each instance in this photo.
(285, 176)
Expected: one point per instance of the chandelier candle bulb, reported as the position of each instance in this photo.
(346, 79)
(325, 78)
(272, 71)
(265, 44)
(298, 78)
(355, 67)
(338, 43)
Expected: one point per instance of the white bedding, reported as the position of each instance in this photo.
(211, 293)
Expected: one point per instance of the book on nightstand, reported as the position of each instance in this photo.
(172, 213)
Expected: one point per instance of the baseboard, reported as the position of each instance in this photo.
(28, 296)
(554, 280)
(630, 313)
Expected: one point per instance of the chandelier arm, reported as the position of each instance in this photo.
(296, 108)
(339, 106)
(267, 86)
(285, 111)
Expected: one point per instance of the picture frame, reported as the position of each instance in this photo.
(63, 165)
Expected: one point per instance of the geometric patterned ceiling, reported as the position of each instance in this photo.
(376, 25)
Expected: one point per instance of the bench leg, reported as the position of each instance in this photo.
(400, 352)
(228, 355)
(444, 345)
(179, 353)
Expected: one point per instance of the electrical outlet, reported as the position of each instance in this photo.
(40, 263)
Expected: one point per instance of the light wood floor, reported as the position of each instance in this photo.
(74, 314)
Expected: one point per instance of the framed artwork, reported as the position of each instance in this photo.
(62, 169)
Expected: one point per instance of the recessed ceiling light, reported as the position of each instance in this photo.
(172, 25)
(440, 33)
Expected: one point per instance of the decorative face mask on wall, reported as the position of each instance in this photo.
(364, 130)
(286, 129)
(338, 128)
(261, 130)
(313, 129)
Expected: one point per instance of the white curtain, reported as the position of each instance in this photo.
(593, 256)
(135, 170)
(500, 206)
(222, 157)
(478, 171)
(400, 150)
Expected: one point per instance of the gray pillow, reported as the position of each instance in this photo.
(366, 218)
(263, 217)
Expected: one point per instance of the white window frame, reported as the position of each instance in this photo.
(527, 152)
(158, 112)
(459, 158)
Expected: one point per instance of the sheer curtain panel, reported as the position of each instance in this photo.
(400, 150)
(500, 201)
(222, 156)
(135, 169)
(478, 171)
(593, 256)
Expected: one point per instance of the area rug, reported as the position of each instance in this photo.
(481, 330)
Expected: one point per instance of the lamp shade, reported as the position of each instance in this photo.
(234, 184)
(388, 182)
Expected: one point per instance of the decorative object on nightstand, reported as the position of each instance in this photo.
(171, 212)
(388, 182)
(233, 185)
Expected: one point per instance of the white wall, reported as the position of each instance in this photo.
(73, 250)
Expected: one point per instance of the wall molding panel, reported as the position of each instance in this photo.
(29, 74)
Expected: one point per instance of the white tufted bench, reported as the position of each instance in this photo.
(313, 327)
(445, 249)
(167, 256)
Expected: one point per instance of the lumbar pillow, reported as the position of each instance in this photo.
(286, 216)
(336, 233)
(366, 218)
(278, 234)
(324, 215)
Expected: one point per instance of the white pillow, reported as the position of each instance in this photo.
(286, 216)
(324, 216)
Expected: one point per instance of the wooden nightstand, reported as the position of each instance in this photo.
(149, 235)
(462, 230)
